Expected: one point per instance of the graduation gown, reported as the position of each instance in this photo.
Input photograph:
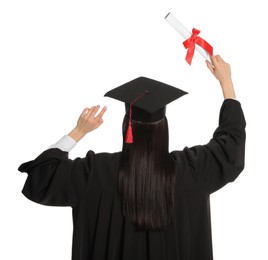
(90, 184)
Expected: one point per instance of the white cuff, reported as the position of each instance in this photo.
(66, 144)
(231, 98)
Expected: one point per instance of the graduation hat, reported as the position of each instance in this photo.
(145, 100)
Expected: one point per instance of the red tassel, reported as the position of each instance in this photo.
(129, 135)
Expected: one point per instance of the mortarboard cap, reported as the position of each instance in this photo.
(145, 98)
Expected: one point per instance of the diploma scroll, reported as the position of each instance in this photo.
(185, 33)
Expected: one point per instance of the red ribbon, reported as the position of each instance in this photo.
(192, 41)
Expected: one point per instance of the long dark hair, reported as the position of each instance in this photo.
(147, 176)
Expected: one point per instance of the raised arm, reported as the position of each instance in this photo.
(87, 122)
(54, 179)
(221, 160)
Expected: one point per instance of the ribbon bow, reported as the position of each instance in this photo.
(190, 45)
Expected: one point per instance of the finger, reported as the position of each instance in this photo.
(222, 60)
(90, 111)
(214, 60)
(210, 67)
(94, 111)
(219, 59)
(85, 113)
(100, 115)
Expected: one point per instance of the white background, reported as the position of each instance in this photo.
(57, 57)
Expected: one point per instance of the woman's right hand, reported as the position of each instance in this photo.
(88, 121)
(222, 72)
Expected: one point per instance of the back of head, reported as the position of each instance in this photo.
(146, 176)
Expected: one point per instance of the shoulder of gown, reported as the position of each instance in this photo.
(221, 160)
(55, 180)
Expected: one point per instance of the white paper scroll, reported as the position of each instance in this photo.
(185, 33)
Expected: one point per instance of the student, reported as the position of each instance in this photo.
(143, 202)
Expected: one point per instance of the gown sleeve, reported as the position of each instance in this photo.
(54, 179)
(222, 159)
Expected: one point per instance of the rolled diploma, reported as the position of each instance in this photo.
(185, 33)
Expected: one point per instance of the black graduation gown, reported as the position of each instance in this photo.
(89, 186)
